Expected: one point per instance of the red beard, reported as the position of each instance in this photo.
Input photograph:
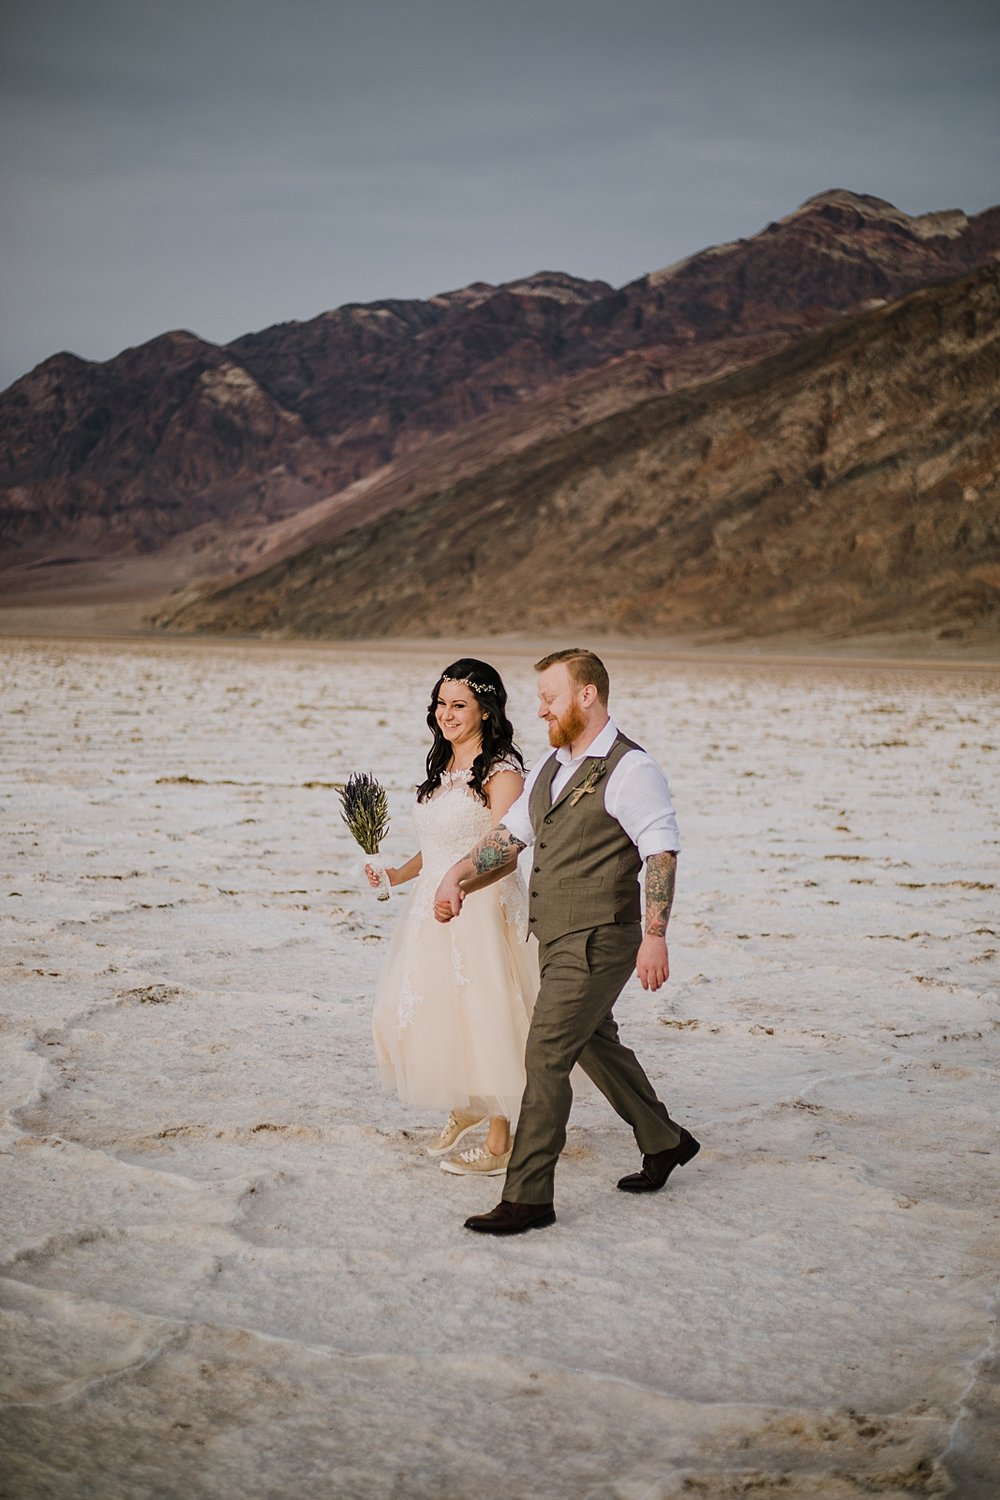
(567, 729)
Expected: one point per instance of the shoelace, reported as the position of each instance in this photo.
(479, 1153)
(454, 1123)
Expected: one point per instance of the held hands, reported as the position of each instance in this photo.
(652, 963)
(448, 898)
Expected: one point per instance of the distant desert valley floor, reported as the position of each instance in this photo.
(227, 1266)
(114, 621)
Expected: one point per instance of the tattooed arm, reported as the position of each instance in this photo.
(652, 962)
(494, 856)
(661, 877)
(502, 791)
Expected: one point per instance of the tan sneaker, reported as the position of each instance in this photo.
(477, 1163)
(456, 1128)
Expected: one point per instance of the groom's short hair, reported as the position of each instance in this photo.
(584, 668)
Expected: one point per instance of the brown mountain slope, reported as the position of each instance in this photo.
(850, 483)
(441, 462)
(180, 435)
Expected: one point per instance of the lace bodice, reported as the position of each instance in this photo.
(448, 824)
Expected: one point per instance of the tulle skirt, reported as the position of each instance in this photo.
(453, 1004)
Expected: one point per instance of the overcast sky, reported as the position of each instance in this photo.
(220, 165)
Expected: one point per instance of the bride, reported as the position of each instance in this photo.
(453, 1001)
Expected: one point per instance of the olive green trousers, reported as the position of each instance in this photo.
(582, 975)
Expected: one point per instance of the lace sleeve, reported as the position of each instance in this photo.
(506, 764)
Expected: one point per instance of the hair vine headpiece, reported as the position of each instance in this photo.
(477, 687)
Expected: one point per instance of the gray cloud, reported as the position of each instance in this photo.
(226, 164)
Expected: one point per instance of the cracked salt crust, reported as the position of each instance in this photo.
(227, 1264)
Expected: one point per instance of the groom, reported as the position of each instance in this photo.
(595, 810)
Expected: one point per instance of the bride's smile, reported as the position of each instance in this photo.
(459, 718)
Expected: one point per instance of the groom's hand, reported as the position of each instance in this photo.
(652, 964)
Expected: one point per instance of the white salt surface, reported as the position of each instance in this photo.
(228, 1267)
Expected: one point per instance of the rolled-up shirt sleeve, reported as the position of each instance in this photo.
(639, 797)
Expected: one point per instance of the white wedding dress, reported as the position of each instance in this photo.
(454, 999)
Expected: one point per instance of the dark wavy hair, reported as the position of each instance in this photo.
(486, 687)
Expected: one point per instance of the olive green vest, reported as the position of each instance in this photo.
(585, 868)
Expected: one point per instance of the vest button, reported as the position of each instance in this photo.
(532, 919)
(538, 869)
(535, 894)
(542, 845)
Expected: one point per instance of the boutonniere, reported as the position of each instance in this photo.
(598, 770)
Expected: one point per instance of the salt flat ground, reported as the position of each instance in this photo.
(228, 1267)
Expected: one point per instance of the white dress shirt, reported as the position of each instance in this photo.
(636, 794)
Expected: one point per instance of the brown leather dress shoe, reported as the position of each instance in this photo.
(658, 1167)
(512, 1218)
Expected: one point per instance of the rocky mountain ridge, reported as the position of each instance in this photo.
(182, 443)
(850, 482)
